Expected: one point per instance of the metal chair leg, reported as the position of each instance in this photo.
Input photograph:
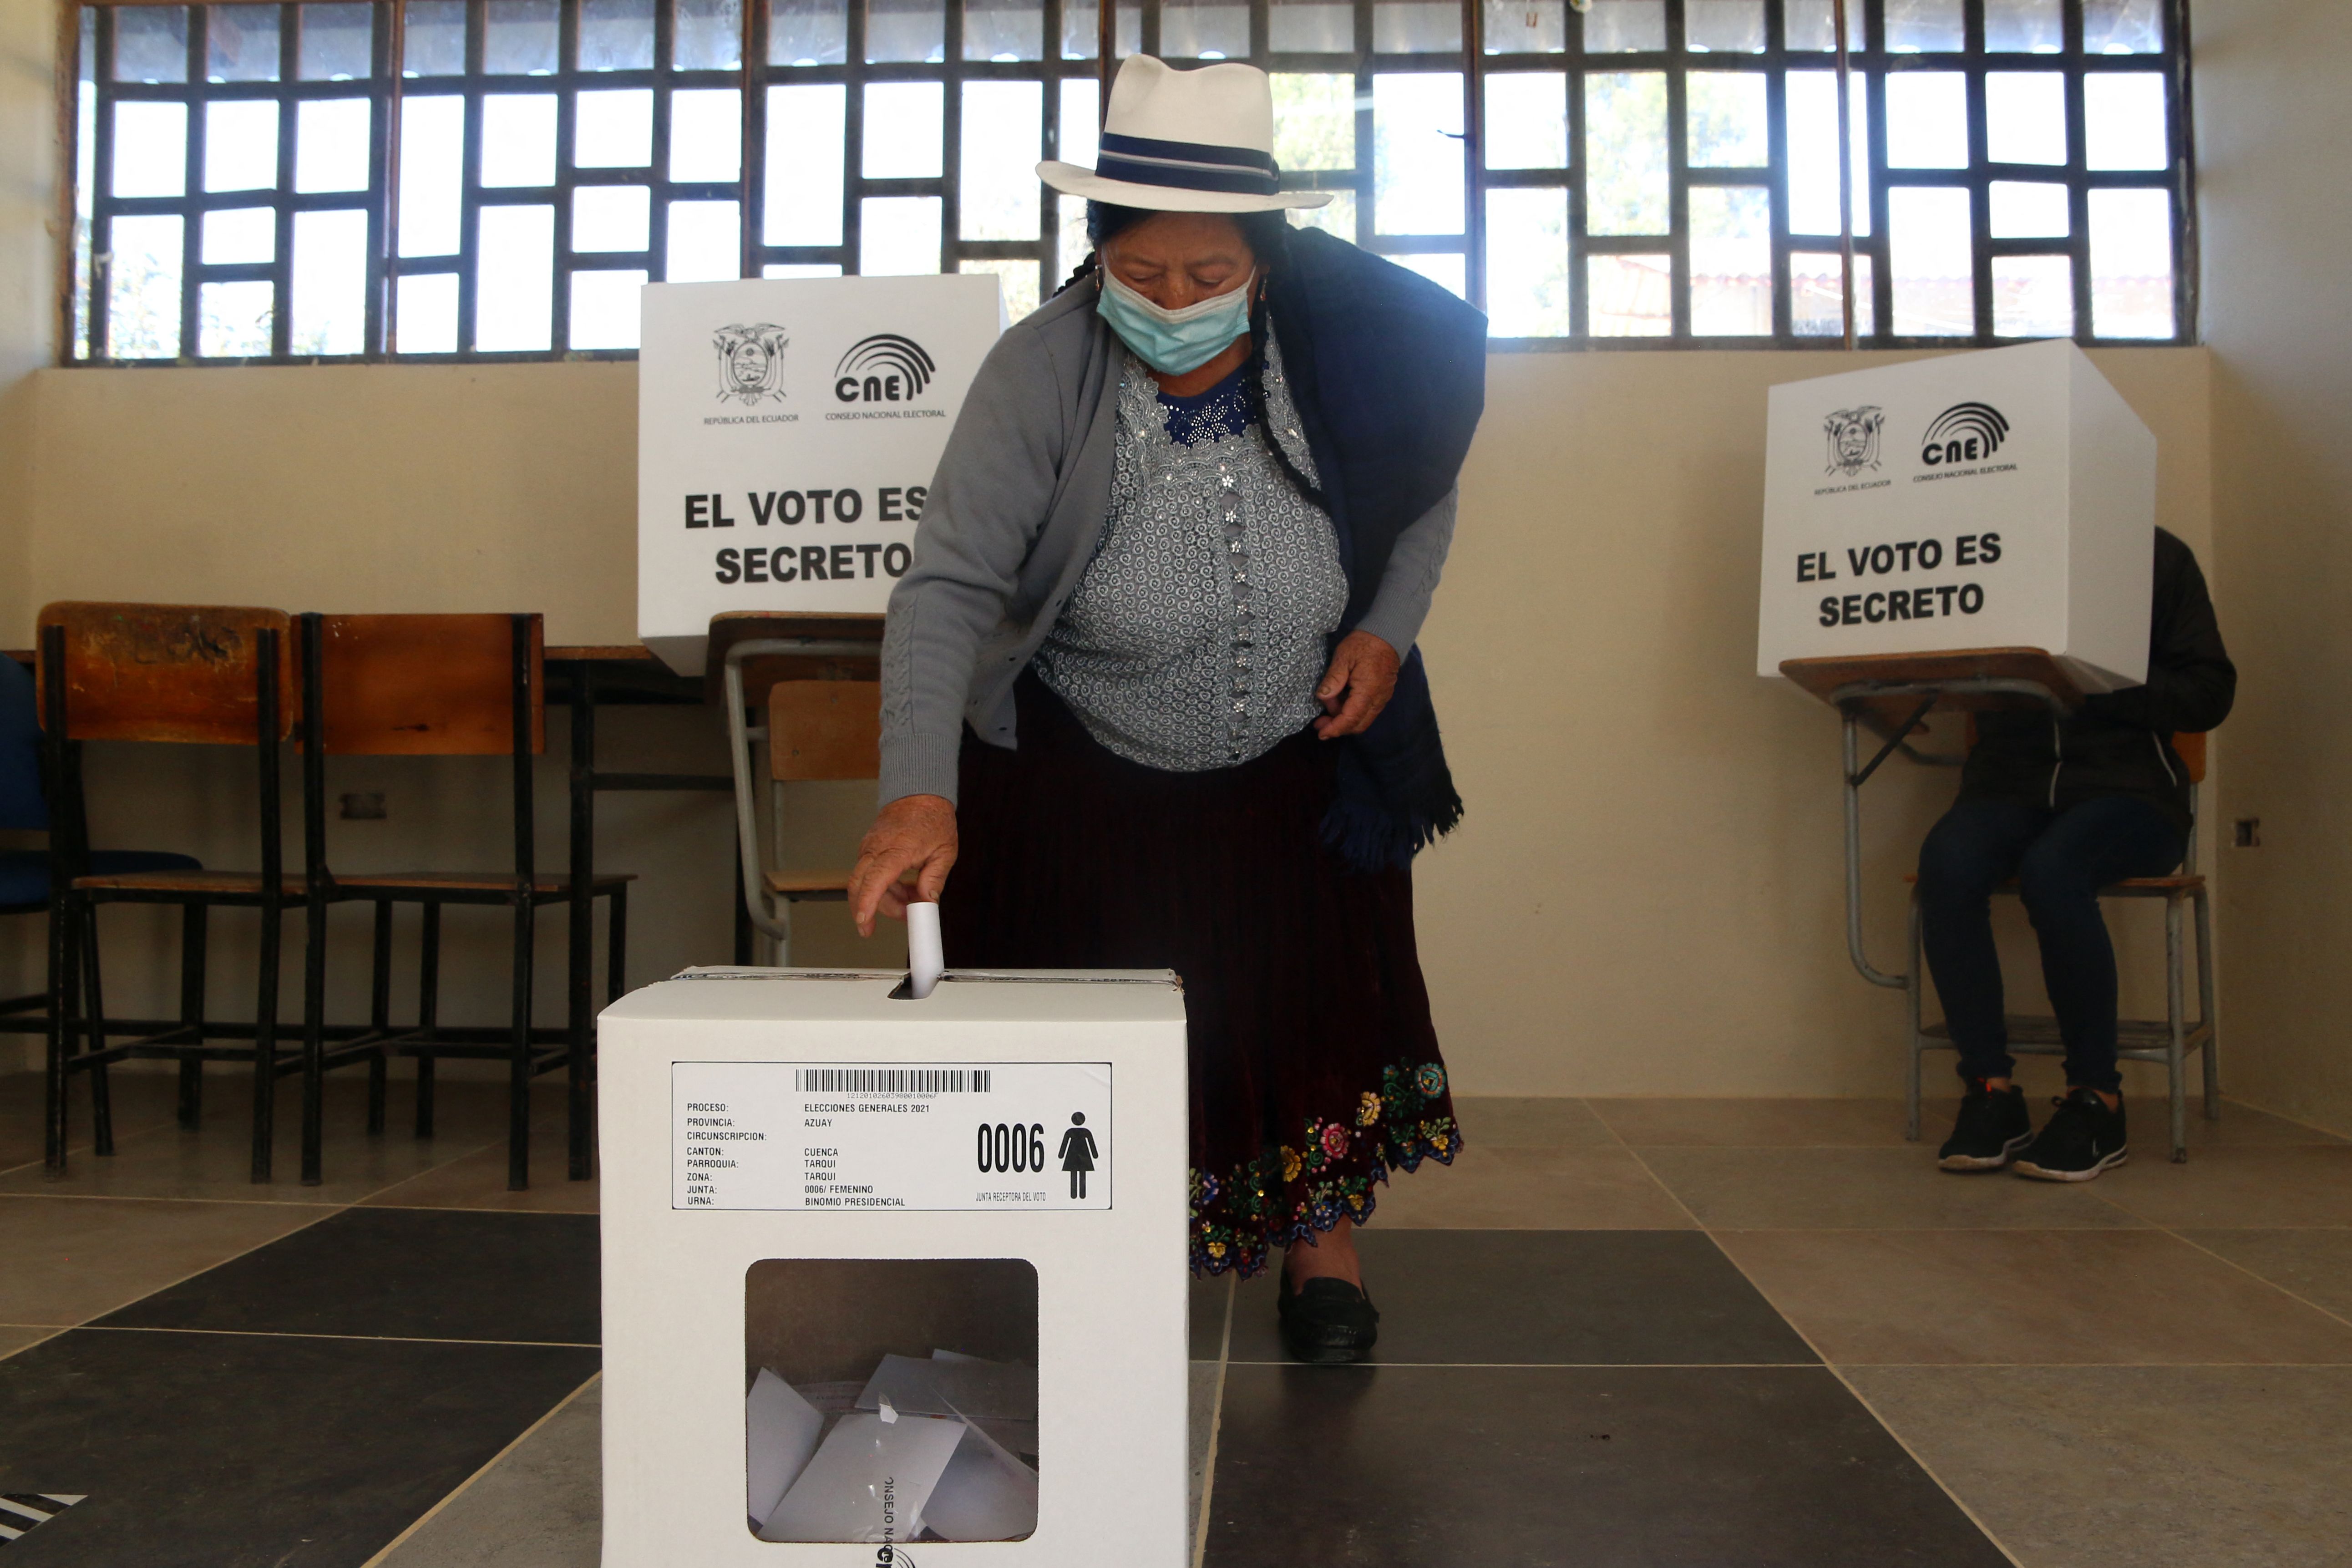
(2209, 1019)
(428, 1015)
(102, 1090)
(314, 1043)
(616, 985)
(193, 926)
(1917, 1042)
(379, 1012)
(264, 1045)
(580, 982)
(743, 928)
(2176, 1063)
(780, 906)
(54, 1121)
(273, 911)
(580, 931)
(616, 940)
(526, 910)
(518, 1063)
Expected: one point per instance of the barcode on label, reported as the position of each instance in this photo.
(894, 1080)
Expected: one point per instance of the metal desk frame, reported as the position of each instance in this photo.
(587, 672)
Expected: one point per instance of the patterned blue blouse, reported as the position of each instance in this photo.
(1196, 637)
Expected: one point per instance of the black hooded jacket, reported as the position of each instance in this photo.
(2120, 742)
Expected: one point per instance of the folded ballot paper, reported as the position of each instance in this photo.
(868, 1480)
(984, 1494)
(924, 1449)
(963, 1387)
(781, 1432)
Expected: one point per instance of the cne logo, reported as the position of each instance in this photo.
(1964, 433)
(884, 368)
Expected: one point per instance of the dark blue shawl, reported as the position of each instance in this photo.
(1388, 372)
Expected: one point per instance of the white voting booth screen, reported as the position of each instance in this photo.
(787, 431)
(895, 1281)
(2002, 499)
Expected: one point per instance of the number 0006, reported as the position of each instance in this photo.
(1012, 1147)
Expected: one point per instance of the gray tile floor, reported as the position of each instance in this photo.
(535, 1506)
(1618, 1331)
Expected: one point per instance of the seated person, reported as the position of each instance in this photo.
(2066, 807)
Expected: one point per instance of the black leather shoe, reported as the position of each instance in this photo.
(1328, 1322)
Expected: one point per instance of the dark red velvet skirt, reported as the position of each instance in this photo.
(1315, 1070)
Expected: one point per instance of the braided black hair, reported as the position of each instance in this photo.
(1253, 388)
(1267, 234)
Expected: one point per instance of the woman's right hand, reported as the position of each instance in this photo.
(915, 833)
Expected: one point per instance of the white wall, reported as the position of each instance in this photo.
(2273, 118)
(1645, 897)
(29, 174)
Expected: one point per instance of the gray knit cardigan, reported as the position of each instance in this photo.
(1012, 520)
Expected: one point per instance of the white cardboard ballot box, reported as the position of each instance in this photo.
(787, 431)
(2002, 498)
(871, 1257)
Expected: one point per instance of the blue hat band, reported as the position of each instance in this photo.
(1187, 165)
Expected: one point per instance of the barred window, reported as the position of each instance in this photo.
(477, 179)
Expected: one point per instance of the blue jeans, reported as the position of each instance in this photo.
(2060, 859)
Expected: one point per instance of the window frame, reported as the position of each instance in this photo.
(1870, 66)
(289, 90)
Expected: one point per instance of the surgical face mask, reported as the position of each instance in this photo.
(1175, 342)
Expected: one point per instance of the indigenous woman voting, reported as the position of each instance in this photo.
(1150, 688)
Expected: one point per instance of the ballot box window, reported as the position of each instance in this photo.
(494, 179)
(890, 1400)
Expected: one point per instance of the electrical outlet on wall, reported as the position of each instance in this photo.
(2246, 832)
(365, 806)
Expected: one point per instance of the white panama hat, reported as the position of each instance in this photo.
(1195, 140)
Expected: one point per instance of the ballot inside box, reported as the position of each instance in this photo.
(864, 1423)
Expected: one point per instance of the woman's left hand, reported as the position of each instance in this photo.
(1362, 680)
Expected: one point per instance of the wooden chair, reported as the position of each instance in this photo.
(2167, 1040)
(27, 876)
(818, 730)
(168, 674)
(452, 686)
(750, 654)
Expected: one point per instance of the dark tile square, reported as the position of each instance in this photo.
(242, 1451)
(1212, 1300)
(1554, 1297)
(432, 1274)
(1552, 1467)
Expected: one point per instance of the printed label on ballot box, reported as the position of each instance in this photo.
(891, 1135)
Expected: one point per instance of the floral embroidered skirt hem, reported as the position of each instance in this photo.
(1315, 1071)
